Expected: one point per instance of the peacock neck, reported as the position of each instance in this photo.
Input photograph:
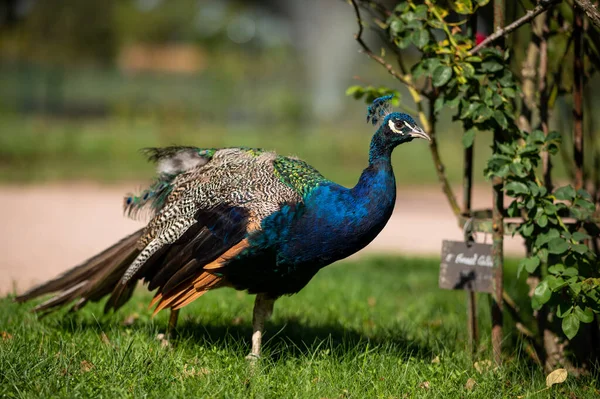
(380, 149)
(376, 182)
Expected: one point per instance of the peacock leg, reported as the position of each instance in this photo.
(172, 323)
(263, 308)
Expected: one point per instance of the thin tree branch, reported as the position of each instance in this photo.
(378, 59)
(590, 11)
(543, 6)
(427, 121)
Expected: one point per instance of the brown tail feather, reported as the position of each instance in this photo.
(89, 281)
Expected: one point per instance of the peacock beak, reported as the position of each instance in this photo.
(418, 133)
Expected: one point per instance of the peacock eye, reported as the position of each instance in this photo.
(398, 125)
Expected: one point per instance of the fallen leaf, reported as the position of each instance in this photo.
(192, 372)
(482, 366)
(237, 321)
(372, 301)
(424, 385)
(470, 384)
(104, 339)
(164, 342)
(85, 366)
(129, 320)
(5, 336)
(434, 323)
(558, 376)
(436, 360)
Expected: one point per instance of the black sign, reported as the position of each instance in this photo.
(466, 267)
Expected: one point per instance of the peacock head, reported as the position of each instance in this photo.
(396, 127)
(401, 128)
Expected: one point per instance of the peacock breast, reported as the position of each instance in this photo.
(337, 222)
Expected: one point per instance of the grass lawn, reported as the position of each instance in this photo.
(366, 328)
(44, 149)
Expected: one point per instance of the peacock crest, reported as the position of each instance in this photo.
(379, 109)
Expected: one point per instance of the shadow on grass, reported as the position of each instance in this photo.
(294, 339)
(290, 339)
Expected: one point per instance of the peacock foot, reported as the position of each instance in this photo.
(252, 357)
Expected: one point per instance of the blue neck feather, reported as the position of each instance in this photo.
(335, 221)
(380, 149)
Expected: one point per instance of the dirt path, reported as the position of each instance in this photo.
(47, 229)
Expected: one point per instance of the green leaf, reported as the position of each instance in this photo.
(397, 26)
(473, 58)
(579, 236)
(463, 6)
(469, 137)
(570, 272)
(556, 269)
(501, 119)
(505, 148)
(402, 42)
(580, 248)
(420, 38)
(355, 91)
(401, 7)
(509, 92)
(526, 229)
(543, 254)
(513, 209)
(468, 109)
(555, 282)
(537, 136)
(575, 288)
(441, 75)
(542, 221)
(566, 193)
(564, 309)
(558, 246)
(530, 203)
(468, 70)
(584, 194)
(570, 325)
(541, 295)
(516, 188)
(438, 104)
(507, 79)
(550, 208)
(491, 66)
(530, 263)
(543, 238)
(497, 100)
(421, 11)
(483, 113)
(585, 316)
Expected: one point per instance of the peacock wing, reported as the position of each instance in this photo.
(206, 218)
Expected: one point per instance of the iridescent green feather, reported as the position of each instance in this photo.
(297, 174)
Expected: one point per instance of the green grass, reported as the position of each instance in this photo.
(43, 149)
(368, 328)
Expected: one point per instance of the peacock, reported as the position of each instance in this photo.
(244, 218)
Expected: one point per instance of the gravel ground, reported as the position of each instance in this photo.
(48, 228)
